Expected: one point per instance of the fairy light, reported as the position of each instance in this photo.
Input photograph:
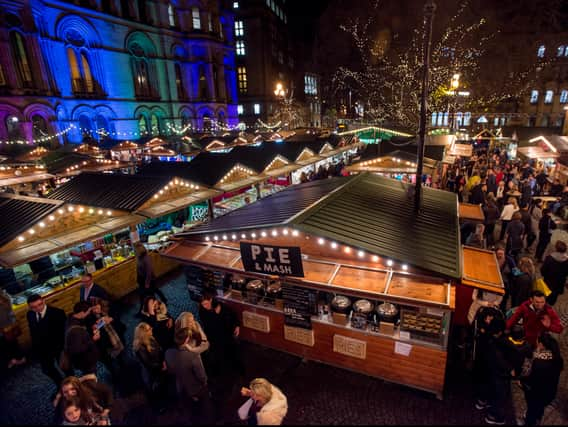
(274, 233)
(321, 241)
(207, 238)
(61, 211)
(360, 254)
(253, 235)
(51, 218)
(333, 245)
(109, 213)
(42, 224)
(390, 262)
(215, 238)
(21, 238)
(91, 211)
(347, 250)
(70, 208)
(244, 236)
(263, 234)
(31, 231)
(285, 232)
(404, 267)
(100, 212)
(81, 209)
(295, 233)
(234, 237)
(375, 258)
(224, 237)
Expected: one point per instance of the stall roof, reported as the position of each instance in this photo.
(365, 211)
(19, 212)
(64, 161)
(116, 191)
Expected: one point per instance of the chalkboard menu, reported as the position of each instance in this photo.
(297, 305)
(194, 277)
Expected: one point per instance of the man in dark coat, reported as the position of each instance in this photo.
(545, 226)
(47, 329)
(554, 271)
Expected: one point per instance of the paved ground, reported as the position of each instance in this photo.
(317, 394)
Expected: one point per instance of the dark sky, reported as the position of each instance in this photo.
(303, 17)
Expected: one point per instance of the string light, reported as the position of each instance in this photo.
(390, 262)
(375, 258)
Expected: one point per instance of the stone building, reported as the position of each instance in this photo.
(120, 69)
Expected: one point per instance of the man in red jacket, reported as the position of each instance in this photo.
(537, 317)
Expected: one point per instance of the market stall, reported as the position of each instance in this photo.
(471, 213)
(321, 271)
(397, 164)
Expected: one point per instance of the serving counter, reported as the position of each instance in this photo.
(409, 348)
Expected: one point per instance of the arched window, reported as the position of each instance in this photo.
(540, 51)
(87, 76)
(39, 127)
(143, 126)
(206, 122)
(81, 77)
(21, 58)
(172, 16)
(103, 130)
(221, 118)
(155, 123)
(14, 128)
(434, 117)
(196, 18)
(203, 88)
(185, 119)
(141, 71)
(179, 82)
(86, 126)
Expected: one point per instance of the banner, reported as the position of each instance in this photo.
(270, 259)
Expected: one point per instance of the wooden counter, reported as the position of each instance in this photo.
(118, 280)
(424, 367)
(480, 270)
(469, 212)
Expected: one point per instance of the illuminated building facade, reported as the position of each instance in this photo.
(121, 69)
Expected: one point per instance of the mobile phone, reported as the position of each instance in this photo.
(100, 323)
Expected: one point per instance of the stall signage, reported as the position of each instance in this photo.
(258, 322)
(278, 260)
(462, 150)
(198, 212)
(349, 346)
(299, 335)
(296, 306)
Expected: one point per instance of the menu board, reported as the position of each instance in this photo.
(194, 277)
(297, 306)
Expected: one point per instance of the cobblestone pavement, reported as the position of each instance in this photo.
(317, 393)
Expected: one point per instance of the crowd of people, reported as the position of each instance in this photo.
(512, 335)
(179, 361)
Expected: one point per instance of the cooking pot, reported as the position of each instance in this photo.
(340, 304)
(387, 312)
(238, 283)
(363, 306)
(274, 290)
(255, 291)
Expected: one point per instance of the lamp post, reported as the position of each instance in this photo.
(455, 83)
(429, 10)
(286, 108)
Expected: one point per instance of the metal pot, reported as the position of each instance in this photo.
(340, 304)
(387, 312)
(363, 306)
(238, 283)
(255, 291)
(274, 290)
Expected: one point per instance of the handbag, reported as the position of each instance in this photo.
(540, 285)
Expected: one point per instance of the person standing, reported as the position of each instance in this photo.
(515, 234)
(267, 405)
(145, 275)
(47, 330)
(191, 379)
(545, 226)
(507, 214)
(554, 271)
(541, 385)
(80, 346)
(491, 212)
(537, 316)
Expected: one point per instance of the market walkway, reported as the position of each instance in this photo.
(317, 394)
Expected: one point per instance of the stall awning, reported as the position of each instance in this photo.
(346, 278)
(471, 212)
(537, 152)
(365, 211)
(25, 179)
(480, 270)
(18, 213)
(169, 206)
(56, 243)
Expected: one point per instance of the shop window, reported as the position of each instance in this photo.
(548, 97)
(196, 18)
(240, 45)
(534, 96)
(239, 29)
(310, 85)
(563, 96)
(242, 79)
(21, 59)
(256, 108)
(540, 51)
(240, 110)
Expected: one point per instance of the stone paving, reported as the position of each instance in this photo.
(317, 394)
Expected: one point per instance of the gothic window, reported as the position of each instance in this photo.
(39, 127)
(81, 76)
(179, 82)
(206, 122)
(18, 46)
(242, 79)
(534, 96)
(14, 128)
(221, 118)
(240, 45)
(540, 51)
(86, 126)
(141, 71)
(239, 29)
(171, 16)
(155, 123)
(203, 89)
(196, 18)
(563, 96)
(548, 97)
(143, 125)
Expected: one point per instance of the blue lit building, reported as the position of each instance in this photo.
(117, 68)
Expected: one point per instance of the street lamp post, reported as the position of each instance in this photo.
(286, 101)
(455, 83)
(429, 10)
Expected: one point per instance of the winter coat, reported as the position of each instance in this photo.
(520, 289)
(554, 271)
(273, 411)
(188, 370)
(491, 212)
(542, 382)
(532, 321)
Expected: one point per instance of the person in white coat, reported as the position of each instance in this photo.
(266, 405)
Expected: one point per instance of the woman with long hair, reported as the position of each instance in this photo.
(93, 398)
(522, 281)
(515, 234)
(198, 343)
(541, 385)
(507, 214)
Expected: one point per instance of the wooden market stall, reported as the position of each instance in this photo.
(320, 270)
(471, 213)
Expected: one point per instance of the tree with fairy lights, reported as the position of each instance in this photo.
(388, 78)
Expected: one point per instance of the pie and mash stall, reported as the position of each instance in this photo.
(340, 271)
